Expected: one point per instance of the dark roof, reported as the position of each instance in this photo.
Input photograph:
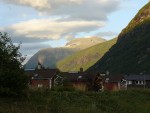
(113, 78)
(137, 77)
(42, 73)
(75, 77)
(88, 77)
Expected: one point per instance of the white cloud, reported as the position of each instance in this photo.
(86, 10)
(1, 29)
(69, 37)
(107, 34)
(41, 4)
(74, 9)
(24, 15)
(33, 46)
(51, 29)
(37, 4)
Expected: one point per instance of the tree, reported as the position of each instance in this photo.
(12, 77)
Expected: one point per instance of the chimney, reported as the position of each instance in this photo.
(39, 66)
(81, 69)
(107, 72)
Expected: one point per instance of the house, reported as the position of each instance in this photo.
(42, 78)
(82, 81)
(137, 81)
(114, 82)
(75, 80)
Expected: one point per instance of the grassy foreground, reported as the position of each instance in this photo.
(134, 101)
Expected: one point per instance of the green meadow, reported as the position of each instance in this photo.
(46, 101)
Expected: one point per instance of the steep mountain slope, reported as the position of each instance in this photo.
(85, 58)
(49, 57)
(131, 53)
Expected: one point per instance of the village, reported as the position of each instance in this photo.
(85, 81)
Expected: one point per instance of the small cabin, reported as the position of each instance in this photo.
(42, 78)
(138, 81)
(114, 82)
(82, 81)
(75, 80)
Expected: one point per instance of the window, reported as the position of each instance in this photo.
(129, 82)
(35, 75)
(107, 80)
(40, 85)
(139, 82)
(79, 77)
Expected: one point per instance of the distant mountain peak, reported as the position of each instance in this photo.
(82, 43)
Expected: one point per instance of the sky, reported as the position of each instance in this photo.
(39, 24)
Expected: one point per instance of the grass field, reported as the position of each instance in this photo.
(133, 101)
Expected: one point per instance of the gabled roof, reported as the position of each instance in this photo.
(42, 73)
(137, 77)
(113, 78)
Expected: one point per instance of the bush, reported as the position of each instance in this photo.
(61, 89)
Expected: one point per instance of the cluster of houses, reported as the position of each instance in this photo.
(84, 81)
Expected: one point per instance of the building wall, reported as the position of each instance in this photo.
(82, 86)
(148, 84)
(134, 85)
(111, 86)
(39, 83)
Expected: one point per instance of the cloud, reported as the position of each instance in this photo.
(69, 37)
(88, 10)
(107, 34)
(47, 29)
(72, 17)
(73, 9)
(31, 48)
(42, 5)
(37, 4)
(1, 29)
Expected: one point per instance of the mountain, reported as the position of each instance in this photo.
(83, 43)
(131, 53)
(85, 58)
(50, 56)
